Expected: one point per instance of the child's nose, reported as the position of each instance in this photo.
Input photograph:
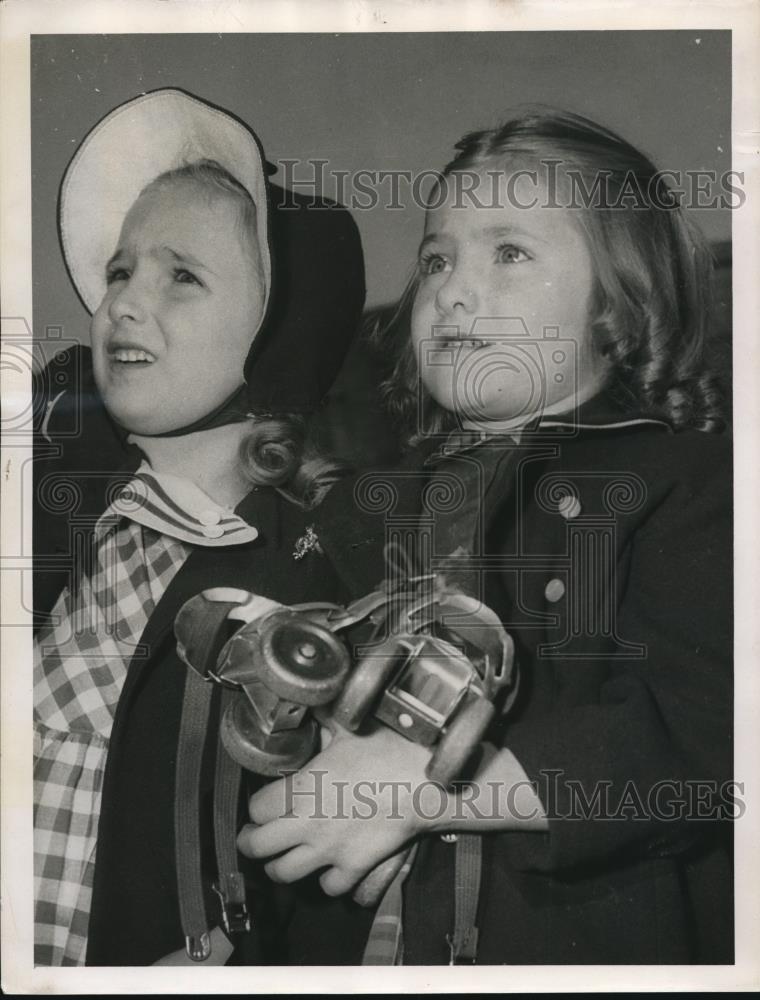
(457, 293)
(129, 302)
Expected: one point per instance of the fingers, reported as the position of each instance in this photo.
(336, 881)
(296, 864)
(374, 884)
(302, 793)
(272, 838)
(270, 803)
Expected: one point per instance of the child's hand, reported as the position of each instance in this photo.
(353, 805)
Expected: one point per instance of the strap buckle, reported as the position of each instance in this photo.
(198, 947)
(463, 952)
(231, 892)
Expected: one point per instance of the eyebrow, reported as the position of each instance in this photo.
(114, 259)
(187, 258)
(180, 258)
(501, 230)
(430, 238)
(513, 231)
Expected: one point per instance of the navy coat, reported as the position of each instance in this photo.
(621, 611)
(635, 700)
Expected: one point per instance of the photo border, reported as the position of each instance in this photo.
(21, 18)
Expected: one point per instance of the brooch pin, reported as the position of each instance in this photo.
(306, 543)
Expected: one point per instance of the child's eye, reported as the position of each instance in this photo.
(115, 274)
(185, 277)
(432, 263)
(508, 253)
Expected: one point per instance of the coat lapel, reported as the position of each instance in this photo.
(357, 518)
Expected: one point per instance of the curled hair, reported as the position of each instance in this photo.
(651, 308)
(278, 453)
(407, 401)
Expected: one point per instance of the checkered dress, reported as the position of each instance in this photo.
(79, 668)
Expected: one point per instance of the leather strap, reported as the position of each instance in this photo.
(385, 943)
(230, 886)
(201, 636)
(196, 708)
(463, 943)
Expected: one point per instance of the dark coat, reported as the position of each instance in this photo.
(630, 889)
(635, 694)
(134, 914)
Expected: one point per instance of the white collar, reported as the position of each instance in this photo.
(175, 506)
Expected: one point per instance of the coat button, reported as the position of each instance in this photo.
(555, 590)
(209, 517)
(213, 531)
(569, 506)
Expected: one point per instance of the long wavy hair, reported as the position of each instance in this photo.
(651, 309)
(278, 451)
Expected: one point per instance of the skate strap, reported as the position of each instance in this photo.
(385, 943)
(196, 708)
(463, 943)
(230, 885)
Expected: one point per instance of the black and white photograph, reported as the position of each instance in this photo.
(379, 480)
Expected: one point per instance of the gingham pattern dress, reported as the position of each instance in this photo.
(80, 663)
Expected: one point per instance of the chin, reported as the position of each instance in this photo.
(145, 414)
(144, 423)
(444, 401)
(495, 411)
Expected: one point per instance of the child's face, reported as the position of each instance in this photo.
(185, 297)
(486, 264)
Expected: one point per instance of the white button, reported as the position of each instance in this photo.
(569, 506)
(555, 590)
(209, 517)
(405, 720)
(449, 838)
(213, 531)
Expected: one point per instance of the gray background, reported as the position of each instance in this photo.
(378, 102)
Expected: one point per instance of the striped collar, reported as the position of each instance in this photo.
(176, 507)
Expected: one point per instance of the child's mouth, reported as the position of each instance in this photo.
(132, 356)
(471, 342)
